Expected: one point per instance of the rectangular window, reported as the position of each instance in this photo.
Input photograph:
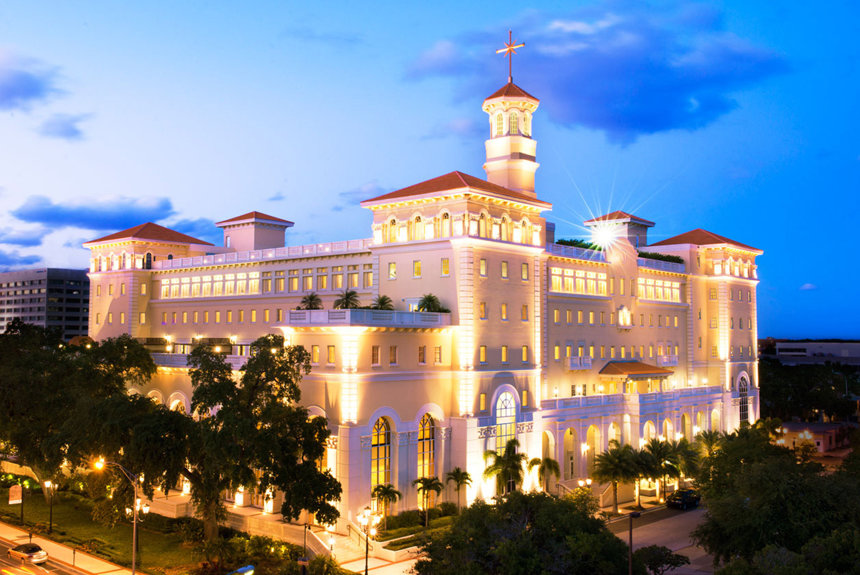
(579, 316)
(525, 353)
(556, 315)
(556, 352)
(621, 285)
(266, 315)
(524, 313)
(143, 289)
(280, 315)
(567, 350)
(482, 267)
(241, 316)
(374, 355)
(196, 317)
(229, 316)
(110, 289)
(611, 352)
(308, 282)
(504, 354)
(445, 267)
(294, 284)
(712, 293)
(504, 312)
(525, 398)
(504, 270)
(122, 317)
(568, 314)
(591, 351)
(602, 352)
(331, 354)
(217, 317)
(253, 316)
(122, 288)
(482, 310)
(110, 317)
(315, 354)
(368, 279)
(524, 271)
(591, 318)
(173, 318)
(422, 354)
(142, 318)
(392, 270)
(392, 355)
(713, 351)
(482, 402)
(437, 354)
(603, 318)
(482, 354)
(205, 317)
(416, 268)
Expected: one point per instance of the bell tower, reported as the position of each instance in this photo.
(511, 149)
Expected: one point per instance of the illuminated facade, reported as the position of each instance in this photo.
(561, 347)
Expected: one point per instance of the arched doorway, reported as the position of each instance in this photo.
(715, 420)
(668, 429)
(687, 427)
(593, 446)
(700, 420)
(613, 433)
(649, 431)
(571, 453)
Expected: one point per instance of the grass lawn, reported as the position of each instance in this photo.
(73, 525)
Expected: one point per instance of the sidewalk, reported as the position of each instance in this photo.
(62, 553)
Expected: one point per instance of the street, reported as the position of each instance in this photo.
(14, 567)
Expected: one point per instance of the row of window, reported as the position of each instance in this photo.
(742, 352)
(204, 317)
(504, 354)
(712, 294)
(380, 450)
(376, 355)
(443, 226)
(715, 323)
(445, 269)
(593, 351)
(662, 321)
(578, 282)
(513, 124)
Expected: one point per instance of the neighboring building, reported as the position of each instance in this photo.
(561, 347)
(824, 436)
(49, 297)
(814, 351)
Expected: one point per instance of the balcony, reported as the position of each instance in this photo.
(578, 363)
(181, 360)
(667, 360)
(576, 253)
(661, 265)
(287, 252)
(368, 317)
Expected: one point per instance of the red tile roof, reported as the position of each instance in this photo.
(456, 181)
(700, 237)
(634, 369)
(511, 90)
(151, 231)
(619, 215)
(254, 216)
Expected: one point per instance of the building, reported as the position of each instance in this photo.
(48, 297)
(562, 347)
(813, 351)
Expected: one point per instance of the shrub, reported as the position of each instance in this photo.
(447, 508)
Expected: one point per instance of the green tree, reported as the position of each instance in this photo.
(507, 467)
(47, 389)
(460, 478)
(347, 300)
(430, 302)
(666, 461)
(382, 302)
(386, 494)
(253, 433)
(615, 465)
(426, 486)
(524, 533)
(311, 301)
(658, 559)
(644, 467)
(547, 467)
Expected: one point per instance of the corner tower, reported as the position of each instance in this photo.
(511, 149)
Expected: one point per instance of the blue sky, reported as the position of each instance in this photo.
(739, 117)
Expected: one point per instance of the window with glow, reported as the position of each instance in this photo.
(380, 454)
(427, 446)
(514, 124)
(506, 420)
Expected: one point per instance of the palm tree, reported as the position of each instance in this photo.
(430, 302)
(427, 485)
(709, 442)
(387, 494)
(382, 302)
(547, 467)
(644, 466)
(460, 478)
(311, 301)
(507, 467)
(615, 465)
(347, 300)
(666, 464)
(688, 457)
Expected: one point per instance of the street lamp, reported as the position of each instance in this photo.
(633, 515)
(136, 507)
(50, 487)
(330, 529)
(368, 522)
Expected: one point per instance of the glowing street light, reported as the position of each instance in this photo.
(368, 521)
(50, 488)
(100, 464)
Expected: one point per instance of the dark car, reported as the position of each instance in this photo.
(684, 499)
(28, 552)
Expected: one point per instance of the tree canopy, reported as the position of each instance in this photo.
(524, 533)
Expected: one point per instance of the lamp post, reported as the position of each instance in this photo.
(368, 522)
(136, 506)
(50, 487)
(633, 515)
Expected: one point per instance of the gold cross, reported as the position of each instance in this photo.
(509, 50)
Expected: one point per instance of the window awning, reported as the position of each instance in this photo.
(634, 370)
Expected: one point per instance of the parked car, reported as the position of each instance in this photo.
(684, 499)
(28, 552)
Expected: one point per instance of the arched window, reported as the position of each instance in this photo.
(527, 124)
(500, 124)
(147, 264)
(418, 229)
(227, 241)
(427, 447)
(380, 454)
(743, 401)
(482, 226)
(514, 127)
(505, 224)
(506, 420)
(446, 225)
(392, 231)
(169, 256)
